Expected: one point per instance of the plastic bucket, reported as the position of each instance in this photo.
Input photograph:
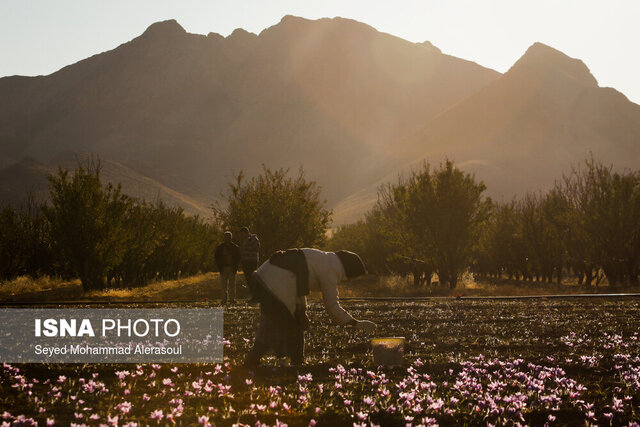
(388, 351)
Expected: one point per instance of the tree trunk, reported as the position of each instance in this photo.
(453, 281)
(611, 277)
(588, 275)
(633, 274)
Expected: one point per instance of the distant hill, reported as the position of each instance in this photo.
(187, 110)
(176, 114)
(526, 128)
(29, 178)
(521, 132)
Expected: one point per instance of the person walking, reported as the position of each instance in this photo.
(282, 284)
(250, 256)
(227, 257)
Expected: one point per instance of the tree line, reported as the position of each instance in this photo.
(437, 219)
(587, 225)
(96, 233)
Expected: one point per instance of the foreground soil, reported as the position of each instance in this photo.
(572, 362)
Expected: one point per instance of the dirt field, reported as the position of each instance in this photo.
(475, 362)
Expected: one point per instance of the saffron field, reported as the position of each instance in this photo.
(481, 362)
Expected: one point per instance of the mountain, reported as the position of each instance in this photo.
(522, 131)
(188, 110)
(177, 114)
(27, 178)
(543, 116)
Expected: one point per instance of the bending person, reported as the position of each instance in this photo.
(282, 284)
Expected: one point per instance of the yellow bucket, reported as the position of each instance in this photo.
(388, 351)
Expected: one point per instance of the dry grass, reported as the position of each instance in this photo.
(189, 288)
(397, 286)
(206, 287)
(382, 286)
(28, 285)
(202, 287)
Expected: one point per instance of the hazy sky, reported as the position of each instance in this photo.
(41, 36)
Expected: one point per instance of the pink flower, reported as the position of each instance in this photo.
(124, 407)
(618, 405)
(122, 374)
(305, 378)
(156, 415)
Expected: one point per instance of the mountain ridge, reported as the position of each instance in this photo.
(353, 105)
(173, 104)
(520, 133)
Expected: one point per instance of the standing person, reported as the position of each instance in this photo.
(227, 258)
(282, 284)
(250, 256)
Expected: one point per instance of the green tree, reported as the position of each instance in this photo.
(87, 222)
(164, 243)
(543, 221)
(502, 248)
(442, 212)
(12, 262)
(606, 209)
(285, 212)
